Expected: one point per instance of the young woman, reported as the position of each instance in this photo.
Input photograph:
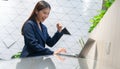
(36, 35)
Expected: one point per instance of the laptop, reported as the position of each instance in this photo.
(85, 50)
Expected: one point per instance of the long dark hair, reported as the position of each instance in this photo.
(39, 6)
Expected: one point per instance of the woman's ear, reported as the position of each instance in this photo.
(36, 12)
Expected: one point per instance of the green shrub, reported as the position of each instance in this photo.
(17, 55)
(96, 19)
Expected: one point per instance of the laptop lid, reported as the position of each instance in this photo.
(85, 50)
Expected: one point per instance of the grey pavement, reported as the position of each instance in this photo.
(73, 14)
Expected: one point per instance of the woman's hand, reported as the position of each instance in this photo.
(60, 50)
(59, 27)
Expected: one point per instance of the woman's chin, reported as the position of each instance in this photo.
(42, 20)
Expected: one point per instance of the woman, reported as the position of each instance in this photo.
(36, 35)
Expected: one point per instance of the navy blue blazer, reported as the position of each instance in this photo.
(35, 39)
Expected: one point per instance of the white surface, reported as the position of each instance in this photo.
(73, 14)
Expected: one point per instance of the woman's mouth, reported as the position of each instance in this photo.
(43, 19)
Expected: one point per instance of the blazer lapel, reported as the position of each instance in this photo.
(40, 32)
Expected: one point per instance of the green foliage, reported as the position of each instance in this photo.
(96, 19)
(108, 3)
(16, 55)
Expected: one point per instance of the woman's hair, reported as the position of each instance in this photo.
(39, 6)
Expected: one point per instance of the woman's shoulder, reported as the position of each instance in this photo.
(29, 22)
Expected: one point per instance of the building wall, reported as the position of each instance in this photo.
(107, 36)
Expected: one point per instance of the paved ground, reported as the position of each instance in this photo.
(73, 14)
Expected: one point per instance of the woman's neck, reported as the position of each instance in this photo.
(38, 21)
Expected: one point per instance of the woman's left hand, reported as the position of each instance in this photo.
(59, 27)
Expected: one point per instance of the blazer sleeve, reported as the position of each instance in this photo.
(52, 41)
(30, 39)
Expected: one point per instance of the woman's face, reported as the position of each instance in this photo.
(43, 14)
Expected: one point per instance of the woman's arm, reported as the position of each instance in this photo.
(51, 41)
